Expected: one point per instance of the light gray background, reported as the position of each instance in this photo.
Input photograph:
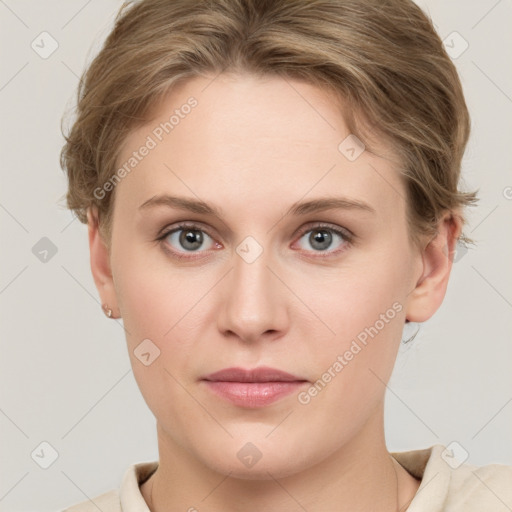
(65, 372)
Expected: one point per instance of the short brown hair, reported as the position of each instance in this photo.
(383, 57)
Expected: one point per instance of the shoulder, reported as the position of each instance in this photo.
(107, 502)
(127, 498)
(449, 483)
(486, 487)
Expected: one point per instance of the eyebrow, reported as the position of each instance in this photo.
(298, 208)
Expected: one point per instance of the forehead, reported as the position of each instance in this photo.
(248, 141)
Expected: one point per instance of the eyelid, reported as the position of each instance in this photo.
(168, 229)
(344, 232)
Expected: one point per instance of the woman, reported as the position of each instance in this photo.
(271, 192)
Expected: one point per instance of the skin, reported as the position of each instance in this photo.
(252, 147)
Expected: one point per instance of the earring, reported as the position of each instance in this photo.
(411, 330)
(107, 310)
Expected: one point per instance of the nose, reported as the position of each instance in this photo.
(255, 300)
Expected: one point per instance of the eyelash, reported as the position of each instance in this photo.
(345, 234)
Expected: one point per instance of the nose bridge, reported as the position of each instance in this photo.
(253, 304)
(251, 273)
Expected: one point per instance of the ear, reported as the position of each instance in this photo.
(437, 257)
(100, 263)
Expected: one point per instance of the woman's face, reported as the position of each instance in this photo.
(257, 280)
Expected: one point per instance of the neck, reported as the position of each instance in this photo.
(360, 475)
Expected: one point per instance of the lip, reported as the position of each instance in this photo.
(253, 388)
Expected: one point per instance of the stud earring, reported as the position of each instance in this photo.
(107, 310)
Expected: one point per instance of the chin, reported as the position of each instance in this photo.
(261, 460)
(269, 470)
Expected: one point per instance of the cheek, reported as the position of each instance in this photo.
(364, 307)
(166, 305)
(145, 305)
(154, 309)
(351, 300)
(152, 294)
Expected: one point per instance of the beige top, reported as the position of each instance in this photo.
(446, 485)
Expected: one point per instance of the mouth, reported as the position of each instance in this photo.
(253, 388)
